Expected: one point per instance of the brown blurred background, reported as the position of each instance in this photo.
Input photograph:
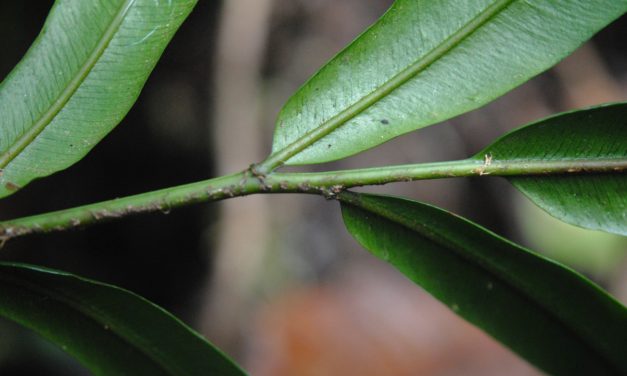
(276, 281)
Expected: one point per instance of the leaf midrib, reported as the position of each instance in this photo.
(399, 220)
(394, 83)
(64, 97)
(97, 317)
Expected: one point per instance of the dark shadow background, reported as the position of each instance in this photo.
(163, 141)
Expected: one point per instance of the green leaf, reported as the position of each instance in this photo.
(426, 61)
(78, 80)
(593, 201)
(550, 315)
(110, 330)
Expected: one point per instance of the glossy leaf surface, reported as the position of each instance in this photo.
(78, 80)
(110, 330)
(426, 61)
(594, 201)
(550, 315)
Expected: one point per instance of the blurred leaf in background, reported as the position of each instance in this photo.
(598, 254)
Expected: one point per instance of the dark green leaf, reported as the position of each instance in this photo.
(110, 330)
(426, 61)
(78, 80)
(550, 315)
(594, 201)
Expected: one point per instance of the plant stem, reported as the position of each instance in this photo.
(321, 181)
(328, 184)
(162, 200)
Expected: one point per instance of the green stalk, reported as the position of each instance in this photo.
(162, 200)
(328, 184)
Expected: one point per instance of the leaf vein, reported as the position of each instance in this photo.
(309, 138)
(64, 97)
